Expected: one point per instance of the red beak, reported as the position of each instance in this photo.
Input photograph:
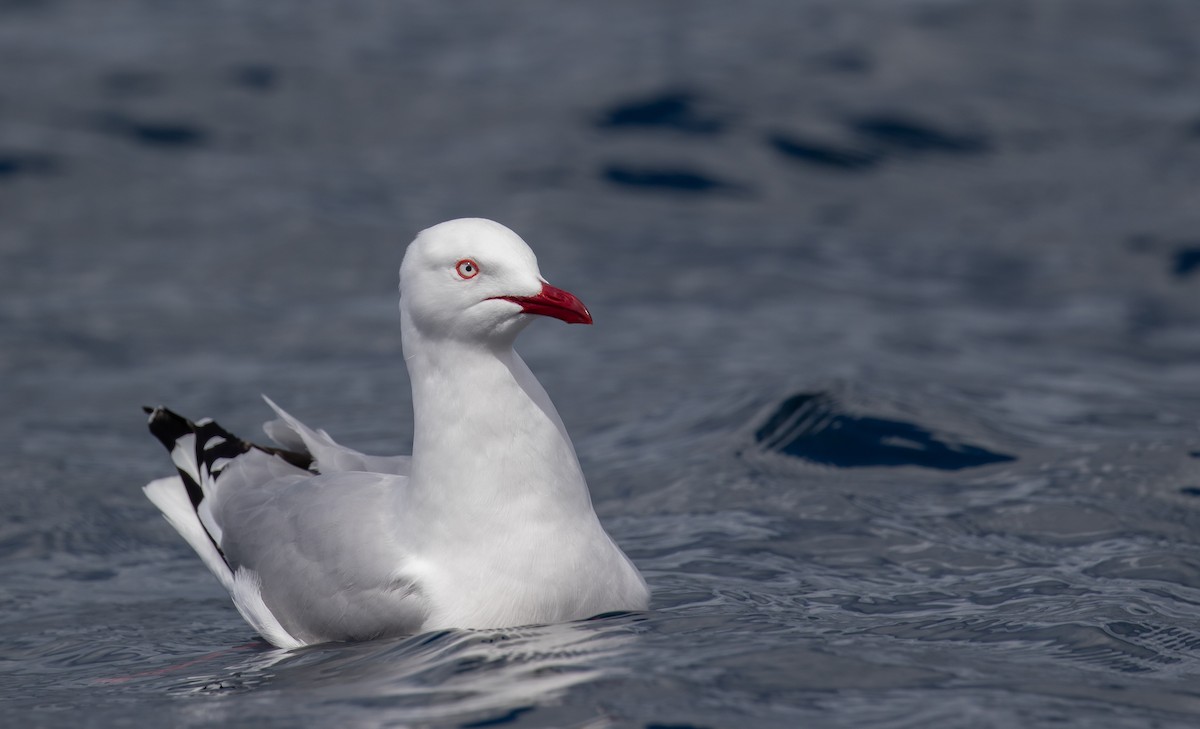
(553, 302)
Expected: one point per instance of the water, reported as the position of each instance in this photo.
(891, 392)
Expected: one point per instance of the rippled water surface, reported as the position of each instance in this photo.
(892, 392)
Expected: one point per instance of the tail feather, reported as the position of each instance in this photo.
(169, 495)
(200, 450)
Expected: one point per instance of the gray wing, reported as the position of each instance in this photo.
(324, 548)
(328, 455)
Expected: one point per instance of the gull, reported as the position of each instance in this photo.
(488, 524)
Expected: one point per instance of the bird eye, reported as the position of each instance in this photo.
(467, 268)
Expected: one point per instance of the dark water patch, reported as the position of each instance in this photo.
(914, 136)
(507, 717)
(1186, 262)
(258, 77)
(1194, 454)
(847, 61)
(158, 134)
(810, 426)
(820, 154)
(1190, 490)
(13, 164)
(676, 179)
(675, 110)
(1126, 629)
(132, 83)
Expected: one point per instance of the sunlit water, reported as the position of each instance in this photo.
(892, 393)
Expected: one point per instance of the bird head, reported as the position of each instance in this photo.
(475, 279)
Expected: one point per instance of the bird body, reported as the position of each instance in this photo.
(488, 524)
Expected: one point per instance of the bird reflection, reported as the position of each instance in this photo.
(454, 673)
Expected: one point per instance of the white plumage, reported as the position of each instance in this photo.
(488, 524)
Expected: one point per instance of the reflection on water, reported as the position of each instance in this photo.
(470, 676)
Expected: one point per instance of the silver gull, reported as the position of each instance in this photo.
(487, 524)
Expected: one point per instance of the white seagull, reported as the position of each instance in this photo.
(488, 524)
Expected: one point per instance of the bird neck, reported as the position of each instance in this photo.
(486, 436)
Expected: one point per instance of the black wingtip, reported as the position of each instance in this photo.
(147, 409)
(168, 426)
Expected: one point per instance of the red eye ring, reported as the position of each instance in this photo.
(467, 268)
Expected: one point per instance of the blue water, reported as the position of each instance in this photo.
(892, 392)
